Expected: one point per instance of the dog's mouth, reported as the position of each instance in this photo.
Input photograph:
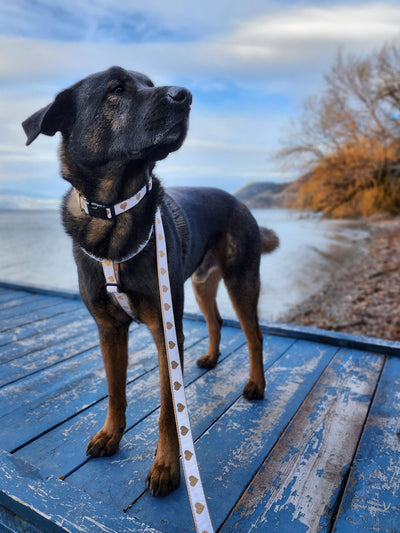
(171, 135)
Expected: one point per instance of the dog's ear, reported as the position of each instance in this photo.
(57, 116)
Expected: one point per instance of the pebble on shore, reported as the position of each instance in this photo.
(363, 296)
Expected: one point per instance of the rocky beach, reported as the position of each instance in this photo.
(363, 295)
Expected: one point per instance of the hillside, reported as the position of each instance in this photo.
(266, 194)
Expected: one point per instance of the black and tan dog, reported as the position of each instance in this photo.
(115, 125)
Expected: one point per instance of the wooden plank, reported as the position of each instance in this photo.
(56, 507)
(233, 449)
(13, 299)
(357, 342)
(28, 306)
(66, 389)
(40, 326)
(228, 451)
(61, 349)
(6, 295)
(26, 315)
(11, 523)
(65, 328)
(297, 486)
(372, 498)
(78, 388)
(41, 290)
(66, 444)
(120, 479)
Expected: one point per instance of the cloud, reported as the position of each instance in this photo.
(249, 66)
(268, 48)
(323, 25)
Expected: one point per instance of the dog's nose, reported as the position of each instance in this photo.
(179, 95)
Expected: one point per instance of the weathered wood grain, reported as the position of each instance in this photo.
(64, 327)
(54, 507)
(25, 315)
(27, 329)
(28, 306)
(372, 498)
(9, 298)
(296, 487)
(303, 435)
(37, 360)
(234, 447)
(135, 456)
(66, 444)
(336, 338)
(67, 389)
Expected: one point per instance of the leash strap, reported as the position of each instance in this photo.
(194, 485)
(198, 503)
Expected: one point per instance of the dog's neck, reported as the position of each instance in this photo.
(107, 183)
(118, 237)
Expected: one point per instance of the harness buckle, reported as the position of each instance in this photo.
(112, 287)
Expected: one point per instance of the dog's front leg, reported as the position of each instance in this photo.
(164, 475)
(114, 349)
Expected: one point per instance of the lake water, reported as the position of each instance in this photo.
(36, 251)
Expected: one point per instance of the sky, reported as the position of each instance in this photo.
(250, 65)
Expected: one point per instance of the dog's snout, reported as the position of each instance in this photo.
(179, 95)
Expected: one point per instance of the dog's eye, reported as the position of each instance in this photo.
(119, 89)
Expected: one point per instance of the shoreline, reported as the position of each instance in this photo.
(363, 295)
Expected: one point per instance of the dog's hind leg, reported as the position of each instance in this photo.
(114, 349)
(243, 290)
(205, 281)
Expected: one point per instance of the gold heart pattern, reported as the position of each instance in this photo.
(138, 196)
(193, 481)
(199, 508)
(188, 455)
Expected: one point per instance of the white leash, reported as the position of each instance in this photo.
(194, 485)
(198, 503)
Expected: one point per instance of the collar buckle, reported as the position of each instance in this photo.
(100, 211)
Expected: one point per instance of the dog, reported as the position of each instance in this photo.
(115, 125)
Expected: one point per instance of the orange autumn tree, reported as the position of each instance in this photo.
(349, 139)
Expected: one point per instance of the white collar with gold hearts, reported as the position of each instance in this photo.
(109, 212)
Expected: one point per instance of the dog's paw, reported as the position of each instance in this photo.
(252, 391)
(102, 444)
(207, 361)
(163, 479)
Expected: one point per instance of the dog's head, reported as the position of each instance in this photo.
(115, 115)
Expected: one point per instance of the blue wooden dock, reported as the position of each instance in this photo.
(320, 453)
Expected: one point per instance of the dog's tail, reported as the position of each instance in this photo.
(269, 240)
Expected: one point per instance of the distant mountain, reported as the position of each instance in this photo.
(266, 194)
